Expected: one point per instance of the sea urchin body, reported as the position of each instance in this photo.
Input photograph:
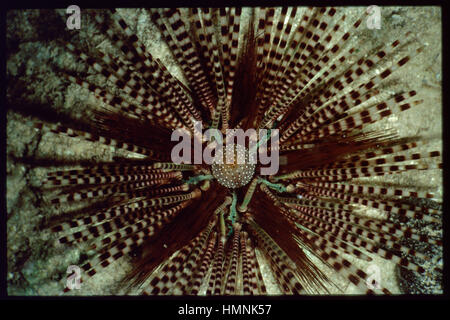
(227, 228)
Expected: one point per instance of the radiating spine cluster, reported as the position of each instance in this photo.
(206, 230)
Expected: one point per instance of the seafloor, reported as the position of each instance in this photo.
(36, 265)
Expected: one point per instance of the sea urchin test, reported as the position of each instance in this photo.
(235, 174)
(231, 158)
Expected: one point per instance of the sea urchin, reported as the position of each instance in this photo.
(193, 228)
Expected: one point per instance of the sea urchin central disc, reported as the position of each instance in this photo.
(234, 175)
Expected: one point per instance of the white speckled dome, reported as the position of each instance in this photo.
(234, 175)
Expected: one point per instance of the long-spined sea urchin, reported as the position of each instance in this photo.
(300, 70)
